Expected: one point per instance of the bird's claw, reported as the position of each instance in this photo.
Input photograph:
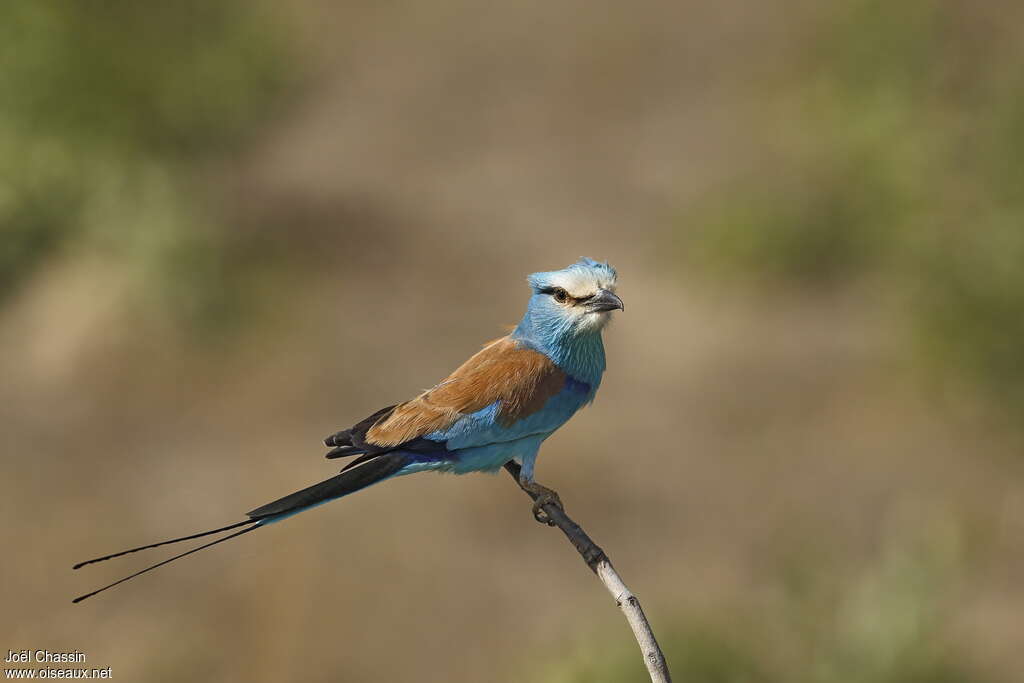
(545, 496)
(540, 515)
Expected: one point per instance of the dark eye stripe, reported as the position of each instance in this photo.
(568, 297)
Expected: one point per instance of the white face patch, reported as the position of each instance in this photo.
(581, 281)
(580, 285)
(590, 322)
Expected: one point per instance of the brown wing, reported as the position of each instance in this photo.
(520, 378)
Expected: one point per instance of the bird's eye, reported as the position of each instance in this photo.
(561, 296)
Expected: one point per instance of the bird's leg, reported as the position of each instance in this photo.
(542, 496)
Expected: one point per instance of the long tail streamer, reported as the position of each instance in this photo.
(157, 545)
(171, 559)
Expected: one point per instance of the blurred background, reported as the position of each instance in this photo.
(231, 228)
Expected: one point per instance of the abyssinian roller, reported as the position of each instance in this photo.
(498, 406)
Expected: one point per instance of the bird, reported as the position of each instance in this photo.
(497, 407)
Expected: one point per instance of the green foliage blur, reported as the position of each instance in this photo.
(112, 110)
(893, 160)
(823, 624)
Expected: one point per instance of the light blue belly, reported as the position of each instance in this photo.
(493, 457)
(483, 458)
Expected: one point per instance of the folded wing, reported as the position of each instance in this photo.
(517, 380)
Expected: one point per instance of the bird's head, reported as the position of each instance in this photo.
(576, 300)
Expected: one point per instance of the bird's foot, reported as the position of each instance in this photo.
(544, 496)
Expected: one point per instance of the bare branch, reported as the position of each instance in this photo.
(602, 566)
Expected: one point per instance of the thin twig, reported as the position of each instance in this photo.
(602, 566)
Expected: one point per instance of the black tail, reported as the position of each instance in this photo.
(337, 486)
(349, 481)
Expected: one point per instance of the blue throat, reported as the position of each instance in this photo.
(579, 354)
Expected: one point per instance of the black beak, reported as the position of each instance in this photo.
(604, 301)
